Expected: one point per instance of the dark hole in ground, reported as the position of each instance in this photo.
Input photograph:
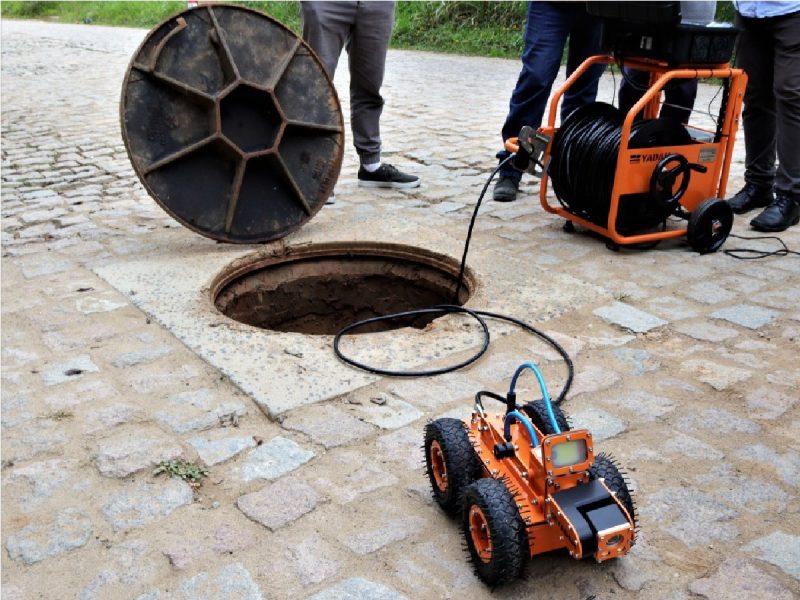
(321, 295)
(71, 372)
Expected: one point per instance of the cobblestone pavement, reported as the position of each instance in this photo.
(687, 371)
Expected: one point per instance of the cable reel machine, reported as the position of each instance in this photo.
(626, 177)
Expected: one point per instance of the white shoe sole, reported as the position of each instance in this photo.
(388, 184)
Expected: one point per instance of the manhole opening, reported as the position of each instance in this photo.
(318, 290)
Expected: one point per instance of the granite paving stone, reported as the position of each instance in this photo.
(327, 425)
(780, 549)
(138, 504)
(130, 452)
(274, 458)
(357, 588)
(389, 532)
(278, 504)
(69, 370)
(629, 317)
(738, 577)
(601, 423)
(746, 315)
(215, 451)
(67, 530)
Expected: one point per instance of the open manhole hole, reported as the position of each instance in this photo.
(320, 289)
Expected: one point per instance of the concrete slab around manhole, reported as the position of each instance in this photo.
(282, 371)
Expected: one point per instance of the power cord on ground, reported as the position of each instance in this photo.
(755, 253)
(455, 309)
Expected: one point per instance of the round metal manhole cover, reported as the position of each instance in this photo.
(232, 124)
(320, 289)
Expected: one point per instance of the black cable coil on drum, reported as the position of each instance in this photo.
(583, 161)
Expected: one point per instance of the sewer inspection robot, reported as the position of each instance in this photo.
(524, 483)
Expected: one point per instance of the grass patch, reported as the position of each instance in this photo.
(59, 415)
(191, 473)
(460, 27)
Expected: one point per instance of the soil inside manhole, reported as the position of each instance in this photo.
(321, 294)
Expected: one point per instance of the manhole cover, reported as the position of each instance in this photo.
(320, 289)
(232, 124)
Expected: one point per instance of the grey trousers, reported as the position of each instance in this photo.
(769, 52)
(364, 29)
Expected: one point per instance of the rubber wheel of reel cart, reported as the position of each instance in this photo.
(605, 468)
(709, 225)
(537, 413)
(450, 461)
(496, 537)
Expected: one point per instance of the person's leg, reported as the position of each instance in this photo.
(585, 35)
(679, 95)
(754, 54)
(367, 49)
(785, 210)
(326, 26)
(546, 32)
(633, 86)
(787, 103)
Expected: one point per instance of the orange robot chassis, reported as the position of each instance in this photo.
(700, 168)
(524, 483)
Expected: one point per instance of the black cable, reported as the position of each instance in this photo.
(755, 253)
(454, 308)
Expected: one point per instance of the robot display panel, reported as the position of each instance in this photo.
(566, 454)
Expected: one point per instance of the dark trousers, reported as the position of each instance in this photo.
(679, 95)
(546, 30)
(769, 52)
(364, 29)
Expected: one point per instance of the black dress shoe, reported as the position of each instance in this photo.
(751, 196)
(780, 215)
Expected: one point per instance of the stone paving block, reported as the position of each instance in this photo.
(34, 438)
(279, 504)
(327, 425)
(717, 420)
(629, 317)
(602, 424)
(89, 305)
(39, 480)
(133, 451)
(214, 451)
(140, 357)
(737, 577)
(385, 412)
(356, 483)
(639, 358)
(357, 588)
(590, 379)
(707, 521)
(137, 505)
(646, 406)
(746, 315)
(40, 268)
(709, 293)
(310, 560)
(69, 370)
(404, 445)
(231, 582)
(15, 411)
(684, 445)
(107, 418)
(768, 404)
(754, 495)
(231, 538)
(69, 529)
(273, 459)
(198, 410)
(787, 465)
(780, 549)
(672, 308)
(705, 331)
(390, 531)
(720, 377)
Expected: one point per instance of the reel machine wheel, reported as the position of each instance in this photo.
(709, 225)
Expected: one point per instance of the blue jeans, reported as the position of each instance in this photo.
(546, 30)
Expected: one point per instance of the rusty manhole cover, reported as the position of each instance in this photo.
(232, 124)
(319, 289)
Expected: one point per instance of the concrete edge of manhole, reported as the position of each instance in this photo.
(267, 257)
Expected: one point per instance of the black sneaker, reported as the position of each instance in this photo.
(386, 176)
(505, 190)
